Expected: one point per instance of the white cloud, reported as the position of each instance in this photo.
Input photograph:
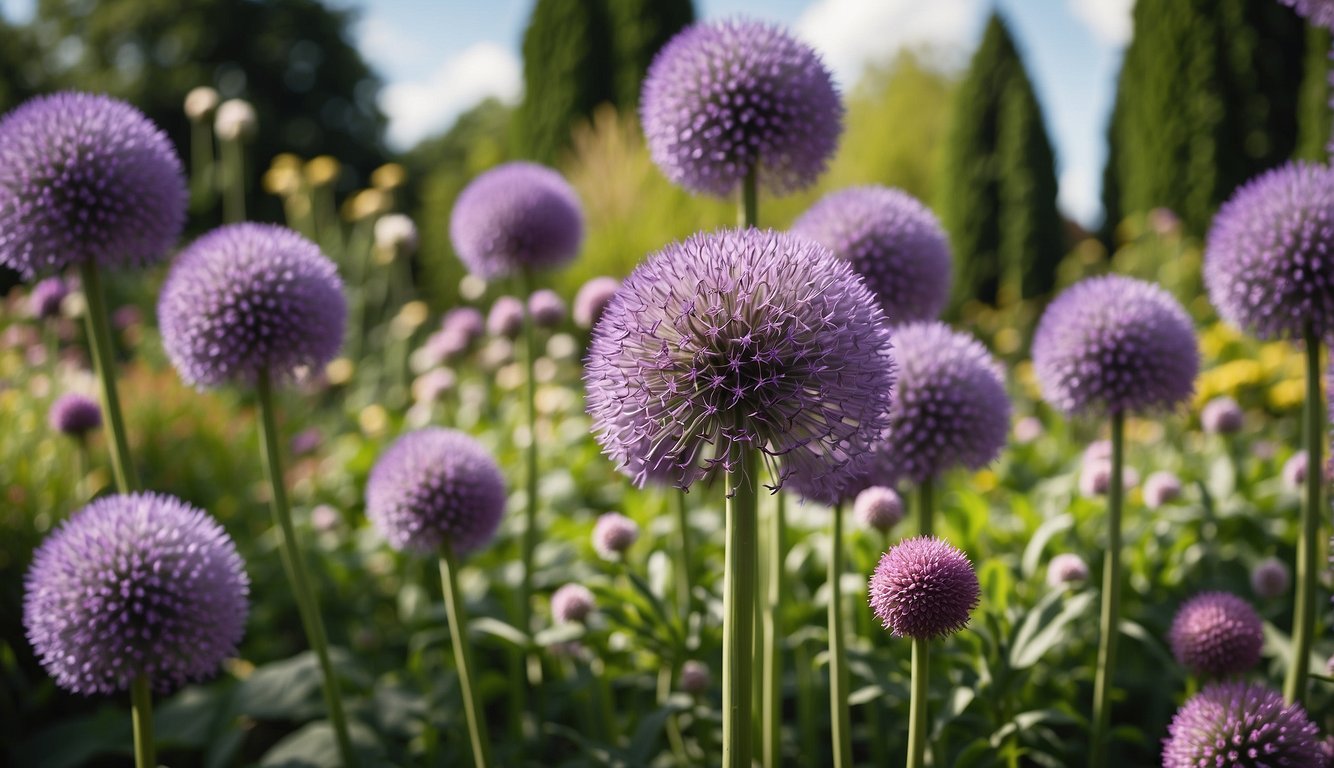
(390, 50)
(852, 33)
(1078, 196)
(419, 108)
(1108, 20)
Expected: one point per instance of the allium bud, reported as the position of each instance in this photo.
(1221, 416)
(1028, 429)
(74, 415)
(878, 508)
(46, 297)
(546, 308)
(924, 588)
(236, 121)
(1217, 633)
(571, 604)
(613, 534)
(505, 318)
(1294, 471)
(592, 299)
(694, 677)
(1270, 578)
(1066, 569)
(200, 103)
(1161, 488)
(396, 234)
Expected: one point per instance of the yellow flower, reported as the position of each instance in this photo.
(322, 170)
(388, 176)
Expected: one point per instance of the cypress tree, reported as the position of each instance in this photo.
(638, 29)
(1313, 118)
(567, 72)
(998, 191)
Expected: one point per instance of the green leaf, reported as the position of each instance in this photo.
(1038, 542)
(485, 625)
(1044, 627)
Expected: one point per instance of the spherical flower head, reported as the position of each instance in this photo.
(1095, 477)
(1318, 12)
(201, 102)
(433, 385)
(74, 415)
(467, 322)
(695, 678)
(1216, 634)
(1294, 471)
(592, 300)
(1221, 416)
(727, 98)
(1028, 429)
(878, 508)
(1115, 344)
(893, 241)
(236, 121)
(395, 232)
(546, 308)
(571, 604)
(613, 534)
(741, 339)
(924, 588)
(251, 299)
(505, 318)
(435, 487)
(86, 178)
(46, 297)
(142, 584)
(516, 217)
(1066, 569)
(1270, 578)
(1269, 259)
(1241, 724)
(1161, 488)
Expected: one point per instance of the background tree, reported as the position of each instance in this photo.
(1313, 118)
(638, 29)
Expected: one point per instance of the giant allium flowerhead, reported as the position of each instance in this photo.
(142, 584)
(893, 241)
(741, 339)
(85, 177)
(1115, 344)
(1318, 12)
(247, 299)
(1269, 261)
(723, 98)
(436, 486)
(1217, 633)
(1241, 724)
(516, 217)
(924, 588)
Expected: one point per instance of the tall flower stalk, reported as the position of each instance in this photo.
(1109, 615)
(1308, 566)
(840, 716)
(741, 531)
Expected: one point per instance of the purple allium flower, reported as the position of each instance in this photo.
(878, 508)
(1115, 344)
(1161, 488)
(1269, 262)
(893, 241)
(1095, 477)
(738, 339)
(571, 604)
(434, 384)
(1098, 450)
(1027, 429)
(86, 177)
(306, 441)
(613, 534)
(924, 588)
(46, 297)
(505, 318)
(249, 299)
(1318, 12)
(592, 300)
(546, 308)
(723, 98)
(1216, 634)
(1065, 569)
(436, 486)
(74, 415)
(516, 217)
(694, 677)
(1241, 724)
(1221, 416)
(1294, 471)
(467, 322)
(142, 584)
(1270, 578)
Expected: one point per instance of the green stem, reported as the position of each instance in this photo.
(233, 185)
(295, 566)
(840, 717)
(682, 565)
(104, 363)
(666, 672)
(201, 166)
(739, 608)
(1110, 620)
(772, 703)
(1308, 567)
(530, 473)
(806, 693)
(926, 507)
(748, 210)
(917, 714)
(458, 631)
(141, 703)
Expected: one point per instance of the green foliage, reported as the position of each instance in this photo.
(998, 189)
(1313, 120)
(638, 29)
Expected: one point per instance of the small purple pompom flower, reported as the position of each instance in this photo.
(571, 604)
(1115, 344)
(694, 677)
(1066, 569)
(142, 584)
(546, 308)
(434, 487)
(1294, 471)
(1216, 634)
(247, 300)
(74, 415)
(1241, 724)
(741, 339)
(466, 322)
(1269, 262)
(1161, 488)
(516, 217)
(1095, 477)
(505, 318)
(613, 534)
(878, 508)
(924, 588)
(592, 300)
(47, 296)
(722, 99)
(1270, 578)
(1221, 416)
(85, 177)
(1028, 429)
(893, 241)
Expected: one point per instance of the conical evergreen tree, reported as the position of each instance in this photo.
(638, 29)
(998, 191)
(1313, 118)
(567, 71)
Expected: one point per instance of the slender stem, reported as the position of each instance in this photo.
(599, 672)
(917, 714)
(666, 672)
(81, 467)
(458, 631)
(530, 474)
(840, 717)
(748, 210)
(772, 703)
(739, 609)
(677, 500)
(806, 693)
(295, 566)
(201, 165)
(233, 175)
(1308, 567)
(104, 362)
(1109, 623)
(141, 704)
(926, 504)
